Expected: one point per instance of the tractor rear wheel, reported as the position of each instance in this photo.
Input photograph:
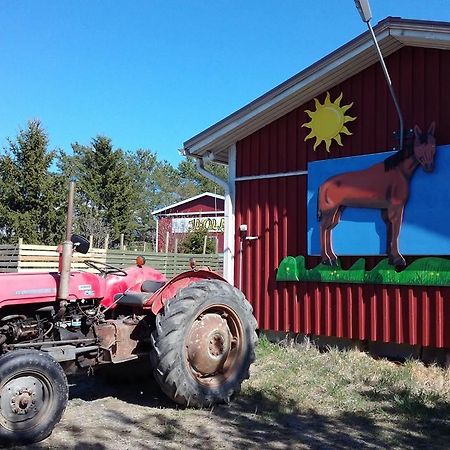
(33, 396)
(204, 343)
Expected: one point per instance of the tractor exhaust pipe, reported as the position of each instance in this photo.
(67, 248)
(365, 12)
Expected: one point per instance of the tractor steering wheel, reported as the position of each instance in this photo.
(105, 269)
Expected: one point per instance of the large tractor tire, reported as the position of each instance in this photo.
(203, 344)
(33, 396)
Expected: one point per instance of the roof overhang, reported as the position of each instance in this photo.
(392, 33)
(187, 200)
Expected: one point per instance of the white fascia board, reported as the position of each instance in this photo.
(417, 38)
(182, 202)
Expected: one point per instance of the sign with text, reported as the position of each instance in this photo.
(190, 224)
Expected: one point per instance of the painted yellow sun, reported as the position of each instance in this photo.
(328, 121)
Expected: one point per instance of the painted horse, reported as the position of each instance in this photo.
(383, 186)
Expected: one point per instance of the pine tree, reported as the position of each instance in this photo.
(105, 194)
(31, 196)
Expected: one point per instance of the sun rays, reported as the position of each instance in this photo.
(328, 121)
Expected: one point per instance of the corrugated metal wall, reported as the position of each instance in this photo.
(275, 209)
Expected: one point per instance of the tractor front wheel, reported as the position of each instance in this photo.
(33, 396)
(204, 343)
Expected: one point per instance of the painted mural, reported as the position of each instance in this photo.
(328, 121)
(362, 231)
(379, 204)
(383, 186)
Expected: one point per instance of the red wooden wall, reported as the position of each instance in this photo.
(275, 209)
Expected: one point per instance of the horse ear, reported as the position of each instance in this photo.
(417, 132)
(432, 128)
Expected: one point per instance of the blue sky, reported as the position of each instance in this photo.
(152, 74)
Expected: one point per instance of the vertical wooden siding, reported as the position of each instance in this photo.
(275, 209)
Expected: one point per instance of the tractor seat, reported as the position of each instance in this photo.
(152, 286)
(138, 299)
(131, 298)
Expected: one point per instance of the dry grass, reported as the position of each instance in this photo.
(407, 404)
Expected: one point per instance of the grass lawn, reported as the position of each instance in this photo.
(344, 399)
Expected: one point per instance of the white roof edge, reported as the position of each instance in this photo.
(405, 31)
(190, 199)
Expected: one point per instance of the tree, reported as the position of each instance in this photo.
(155, 184)
(31, 196)
(195, 183)
(105, 196)
(195, 241)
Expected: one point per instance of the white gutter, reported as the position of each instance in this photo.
(229, 188)
(272, 175)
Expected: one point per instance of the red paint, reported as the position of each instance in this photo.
(275, 209)
(41, 287)
(169, 290)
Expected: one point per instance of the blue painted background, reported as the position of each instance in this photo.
(361, 231)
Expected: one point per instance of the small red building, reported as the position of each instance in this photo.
(266, 203)
(173, 222)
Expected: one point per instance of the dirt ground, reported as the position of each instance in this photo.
(115, 411)
(123, 409)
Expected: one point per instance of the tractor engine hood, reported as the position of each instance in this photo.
(40, 287)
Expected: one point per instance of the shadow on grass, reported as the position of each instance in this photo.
(397, 419)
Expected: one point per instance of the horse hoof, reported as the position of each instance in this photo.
(399, 261)
(327, 262)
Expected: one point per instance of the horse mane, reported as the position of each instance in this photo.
(408, 150)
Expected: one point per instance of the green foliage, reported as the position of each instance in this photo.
(116, 191)
(105, 196)
(195, 183)
(31, 196)
(429, 271)
(194, 242)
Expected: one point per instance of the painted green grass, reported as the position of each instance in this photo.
(429, 271)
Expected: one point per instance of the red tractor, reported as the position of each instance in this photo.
(197, 330)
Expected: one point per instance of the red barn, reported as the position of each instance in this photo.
(266, 201)
(205, 211)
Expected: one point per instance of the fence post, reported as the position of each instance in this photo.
(106, 241)
(19, 248)
(121, 241)
(91, 241)
(176, 245)
(167, 242)
(204, 244)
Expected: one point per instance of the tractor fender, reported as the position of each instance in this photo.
(157, 301)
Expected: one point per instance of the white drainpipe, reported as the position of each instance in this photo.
(230, 195)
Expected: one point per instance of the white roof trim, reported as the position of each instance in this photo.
(356, 55)
(190, 199)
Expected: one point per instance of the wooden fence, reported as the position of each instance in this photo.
(36, 258)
